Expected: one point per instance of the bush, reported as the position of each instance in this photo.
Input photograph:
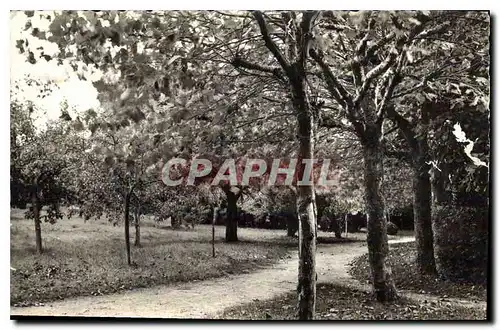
(392, 229)
(460, 240)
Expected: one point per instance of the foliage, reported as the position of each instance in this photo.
(460, 240)
(42, 159)
(281, 200)
(466, 177)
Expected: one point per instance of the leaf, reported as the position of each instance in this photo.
(125, 95)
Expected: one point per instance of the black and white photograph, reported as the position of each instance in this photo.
(273, 165)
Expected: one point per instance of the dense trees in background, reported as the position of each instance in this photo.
(379, 93)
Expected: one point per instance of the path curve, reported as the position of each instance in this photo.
(206, 299)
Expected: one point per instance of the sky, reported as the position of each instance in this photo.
(80, 95)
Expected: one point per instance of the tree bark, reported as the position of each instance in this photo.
(315, 207)
(422, 210)
(294, 70)
(127, 227)
(175, 222)
(422, 192)
(231, 216)
(292, 220)
(306, 209)
(35, 200)
(378, 246)
(137, 224)
(214, 218)
(438, 179)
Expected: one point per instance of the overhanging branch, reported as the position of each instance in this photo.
(270, 44)
(241, 63)
(338, 92)
(373, 74)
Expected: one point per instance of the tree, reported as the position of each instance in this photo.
(365, 106)
(387, 46)
(291, 69)
(424, 96)
(42, 161)
(127, 165)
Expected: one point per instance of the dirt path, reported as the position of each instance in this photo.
(208, 298)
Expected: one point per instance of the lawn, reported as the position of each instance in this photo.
(88, 258)
(336, 302)
(407, 277)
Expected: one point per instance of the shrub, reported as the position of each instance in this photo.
(460, 240)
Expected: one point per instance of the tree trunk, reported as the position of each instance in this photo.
(337, 226)
(231, 216)
(214, 218)
(35, 200)
(315, 209)
(306, 210)
(292, 220)
(422, 196)
(422, 211)
(378, 246)
(137, 224)
(438, 188)
(175, 222)
(127, 226)
(291, 227)
(296, 75)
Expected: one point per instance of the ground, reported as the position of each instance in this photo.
(407, 277)
(88, 258)
(337, 302)
(231, 286)
(421, 298)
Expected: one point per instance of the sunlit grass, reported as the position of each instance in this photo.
(82, 258)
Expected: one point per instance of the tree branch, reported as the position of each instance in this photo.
(393, 82)
(239, 62)
(308, 19)
(409, 90)
(360, 54)
(370, 51)
(372, 74)
(270, 44)
(338, 92)
(404, 124)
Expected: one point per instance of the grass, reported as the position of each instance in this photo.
(341, 303)
(407, 277)
(88, 258)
